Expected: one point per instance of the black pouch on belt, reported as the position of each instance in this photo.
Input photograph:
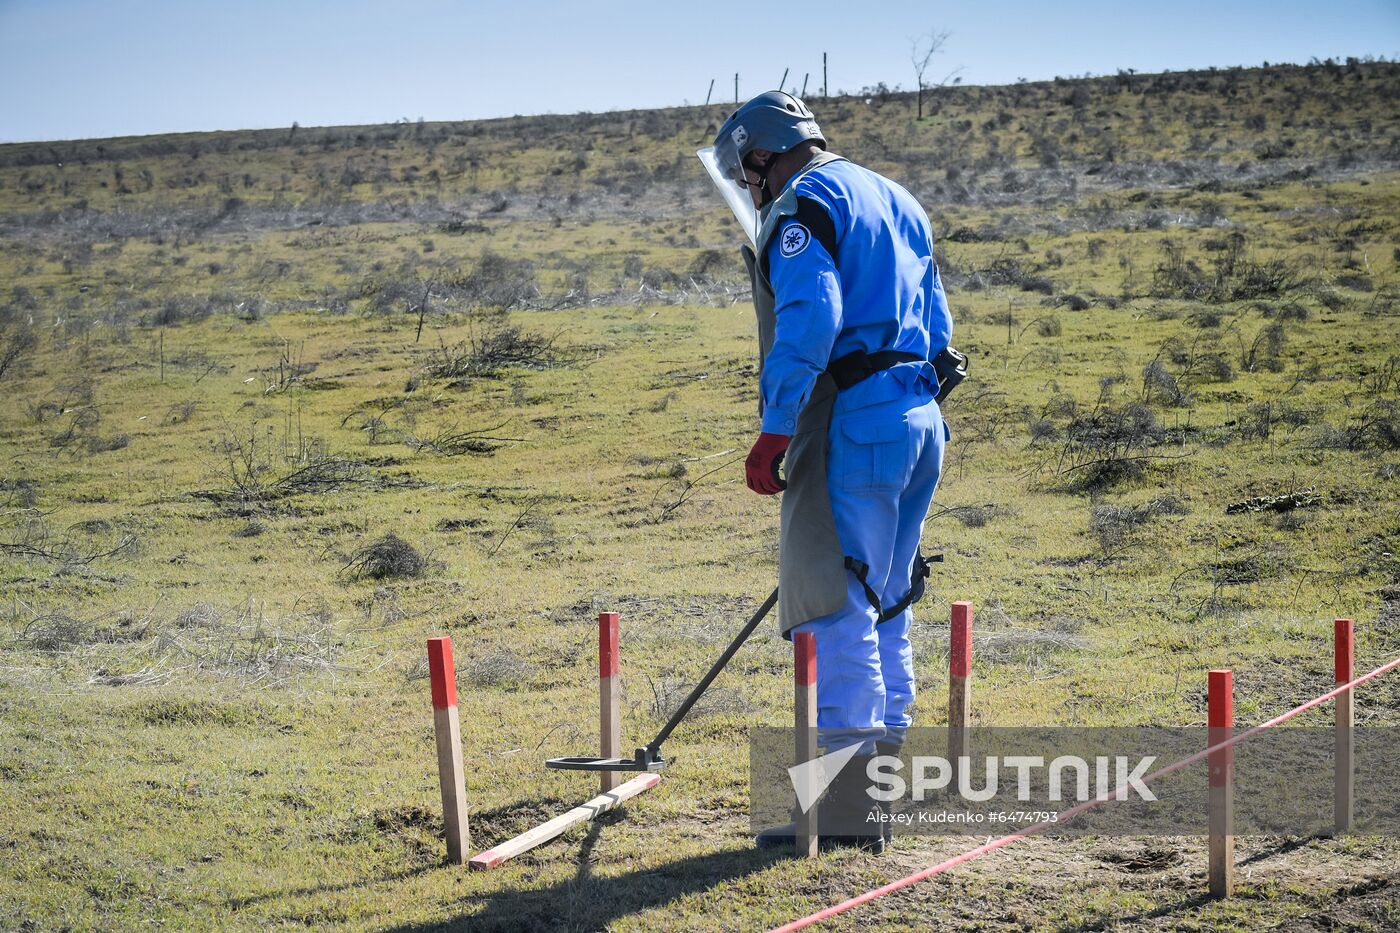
(951, 368)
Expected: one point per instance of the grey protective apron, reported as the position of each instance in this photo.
(811, 565)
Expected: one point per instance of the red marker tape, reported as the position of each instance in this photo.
(441, 671)
(607, 644)
(1342, 666)
(960, 655)
(1220, 717)
(804, 653)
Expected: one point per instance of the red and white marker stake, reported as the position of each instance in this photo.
(448, 730)
(1344, 787)
(960, 685)
(1221, 721)
(804, 723)
(609, 698)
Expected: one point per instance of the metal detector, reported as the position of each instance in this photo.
(649, 758)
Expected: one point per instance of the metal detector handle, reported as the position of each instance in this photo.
(709, 677)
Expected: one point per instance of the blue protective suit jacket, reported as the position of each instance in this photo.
(868, 281)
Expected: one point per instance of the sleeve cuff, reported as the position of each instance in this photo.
(778, 421)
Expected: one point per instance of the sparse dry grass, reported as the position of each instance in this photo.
(219, 726)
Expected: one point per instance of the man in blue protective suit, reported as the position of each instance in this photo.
(853, 331)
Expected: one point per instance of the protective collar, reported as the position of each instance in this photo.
(785, 204)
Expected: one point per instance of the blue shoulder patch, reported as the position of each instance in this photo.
(793, 239)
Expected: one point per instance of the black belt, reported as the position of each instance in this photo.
(949, 365)
(858, 366)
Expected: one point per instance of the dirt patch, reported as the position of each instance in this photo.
(177, 711)
(1142, 860)
(501, 823)
(416, 828)
(1373, 903)
(397, 820)
(1278, 685)
(714, 617)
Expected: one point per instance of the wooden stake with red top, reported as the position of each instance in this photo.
(804, 653)
(959, 685)
(1220, 718)
(448, 731)
(609, 698)
(1344, 787)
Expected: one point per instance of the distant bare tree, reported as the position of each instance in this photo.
(425, 303)
(15, 343)
(922, 51)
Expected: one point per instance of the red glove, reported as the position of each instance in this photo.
(761, 467)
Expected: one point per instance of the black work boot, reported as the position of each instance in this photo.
(844, 816)
(854, 817)
(780, 837)
(886, 807)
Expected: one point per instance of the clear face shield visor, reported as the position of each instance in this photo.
(727, 173)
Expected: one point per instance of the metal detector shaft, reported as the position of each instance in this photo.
(713, 672)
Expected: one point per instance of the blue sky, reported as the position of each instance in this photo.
(82, 68)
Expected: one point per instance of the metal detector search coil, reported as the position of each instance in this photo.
(645, 760)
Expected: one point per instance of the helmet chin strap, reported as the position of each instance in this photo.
(764, 190)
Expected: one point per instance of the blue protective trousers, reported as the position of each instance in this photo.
(883, 464)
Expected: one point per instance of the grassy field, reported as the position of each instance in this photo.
(280, 405)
